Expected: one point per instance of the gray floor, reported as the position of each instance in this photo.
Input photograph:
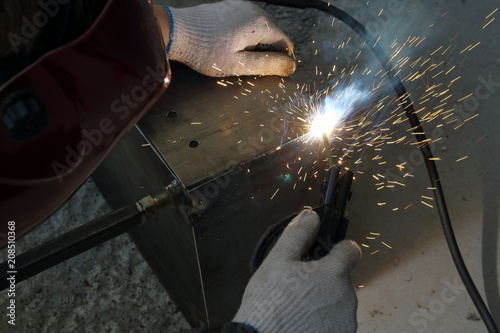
(410, 287)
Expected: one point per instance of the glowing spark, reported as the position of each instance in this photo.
(464, 98)
(466, 49)
(461, 159)
(481, 138)
(436, 50)
(375, 252)
(425, 203)
(487, 17)
(275, 194)
(487, 24)
(387, 245)
(474, 46)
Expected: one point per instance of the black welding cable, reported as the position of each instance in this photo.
(419, 135)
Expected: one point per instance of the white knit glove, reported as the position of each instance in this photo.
(287, 294)
(227, 38)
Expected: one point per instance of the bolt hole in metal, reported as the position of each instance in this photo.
(194, 144)
(172, 114)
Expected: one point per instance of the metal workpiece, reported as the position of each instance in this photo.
(219, 123)
(245, 173)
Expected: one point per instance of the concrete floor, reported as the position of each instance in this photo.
(412, 287)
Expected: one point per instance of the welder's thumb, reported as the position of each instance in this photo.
(345, 254)
(298, 237)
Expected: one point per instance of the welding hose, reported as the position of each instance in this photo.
(418, 131)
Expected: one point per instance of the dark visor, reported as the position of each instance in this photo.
(62, 115)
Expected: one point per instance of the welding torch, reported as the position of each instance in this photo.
(335, 193)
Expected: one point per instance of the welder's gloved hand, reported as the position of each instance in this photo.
(287, 294)
(227, 38)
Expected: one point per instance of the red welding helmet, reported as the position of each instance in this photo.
(62, 115)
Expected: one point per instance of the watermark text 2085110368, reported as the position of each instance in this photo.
(11, 262)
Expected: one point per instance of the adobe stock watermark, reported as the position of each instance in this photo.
(31, 27)
(421, 318)
(252, 146)
(485, 88)
(121, 107)
(382, 18)
(286, 285)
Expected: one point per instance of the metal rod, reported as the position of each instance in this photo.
(328, 149)
(89, 235)
(71, 244)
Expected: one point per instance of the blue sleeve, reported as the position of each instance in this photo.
(238, 328)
